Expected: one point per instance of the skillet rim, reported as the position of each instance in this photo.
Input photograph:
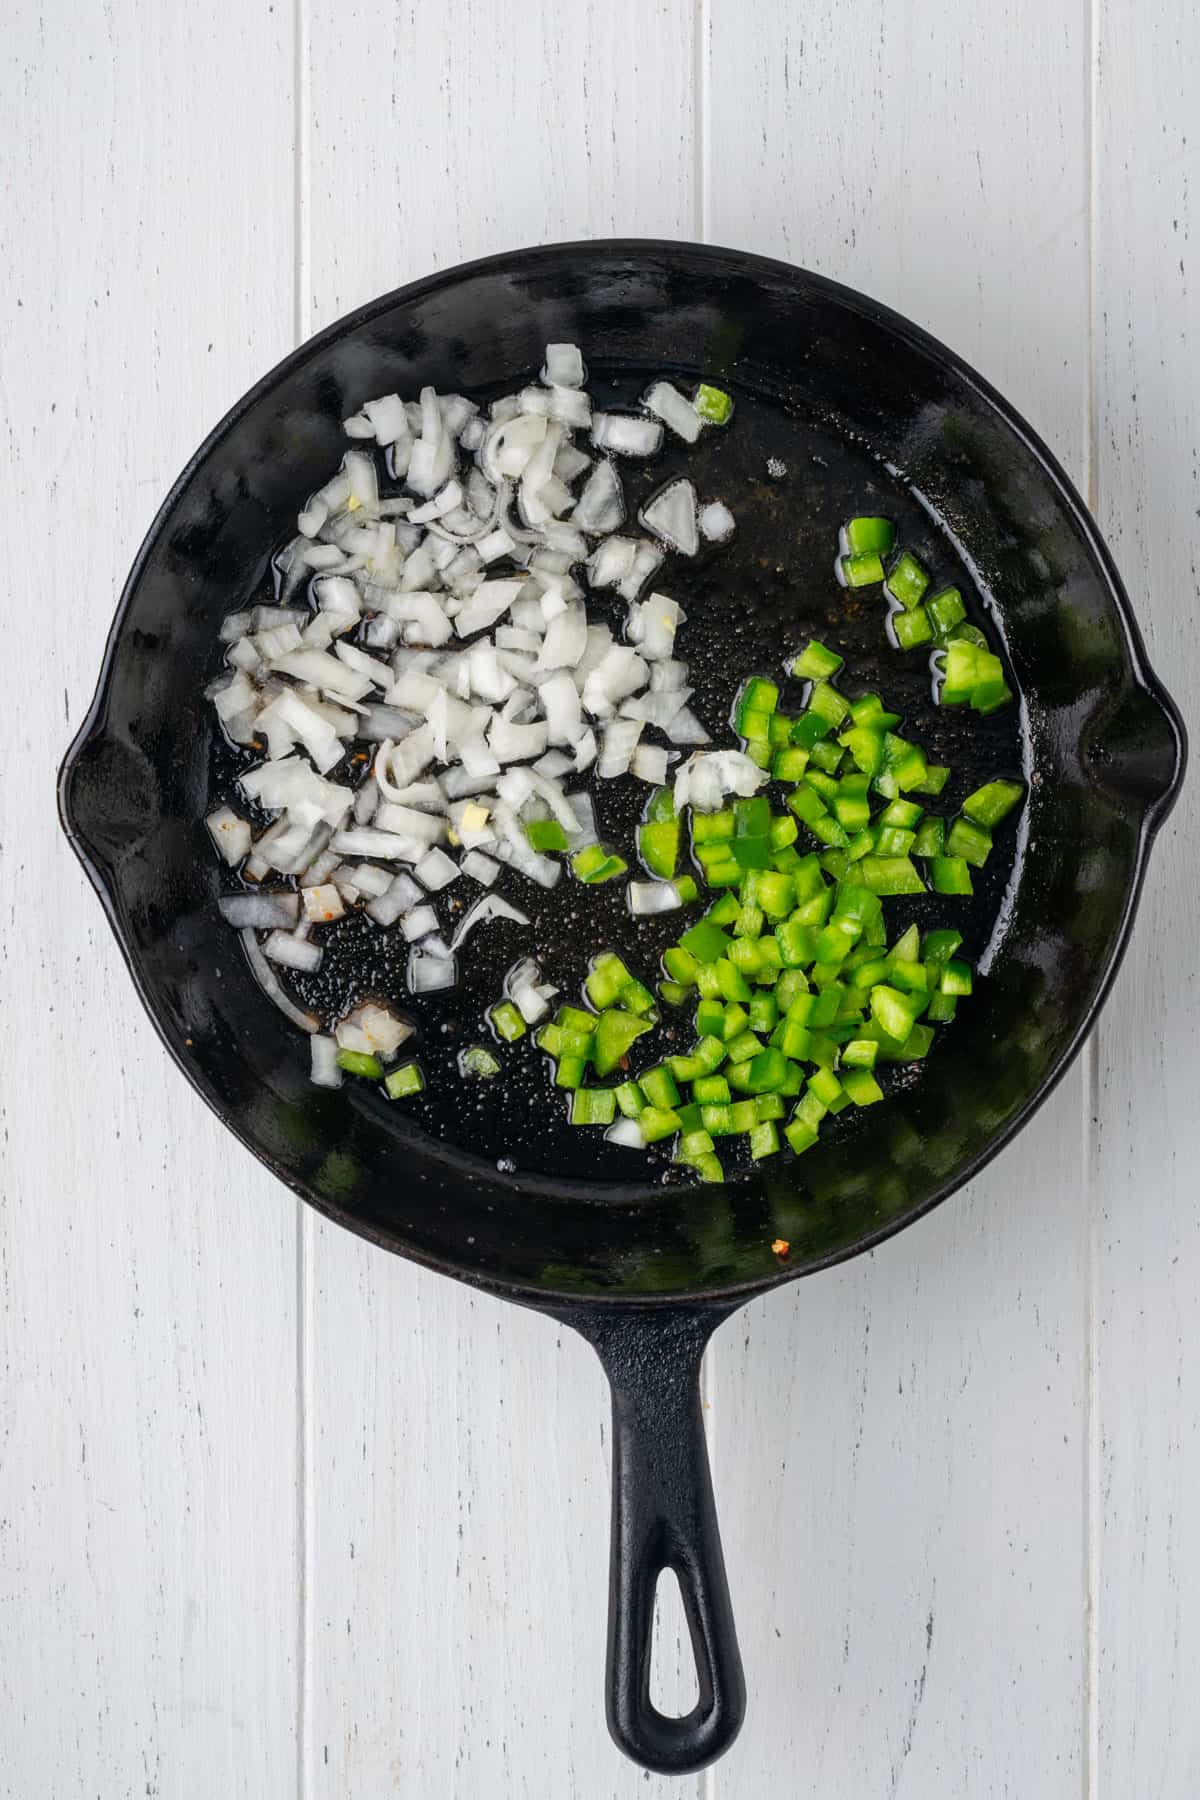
(1151, 815)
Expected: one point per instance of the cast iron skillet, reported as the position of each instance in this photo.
(866, 413)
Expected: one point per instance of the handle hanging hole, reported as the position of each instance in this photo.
(674, 1684)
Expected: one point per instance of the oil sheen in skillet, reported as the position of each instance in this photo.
(751, 604)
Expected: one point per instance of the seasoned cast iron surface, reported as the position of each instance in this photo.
(791, 481)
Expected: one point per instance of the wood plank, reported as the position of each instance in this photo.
(459, 1450)
(438, 138)
(1146, 1736)
(147, 1270)
(900, 1444)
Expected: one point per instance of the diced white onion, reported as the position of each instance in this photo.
(418, 923)
(647, 558)
(647, 898)
(372, 881)
(705, 779)
(626, 435)
(563, 366)
(491, 906)
(671, 515)
(669, 405)
(436, 870)
(268, 982)
(627, 1133)
(430, 974)
(685, 728)
(601, 504)
(325, 1071)
(373, 1031)
(263, 911)
(322, 903)
(230, 834)
(388, 846)
(293, 952)
(479, 867)
(649, 763)
(716, 522)
(620, 741)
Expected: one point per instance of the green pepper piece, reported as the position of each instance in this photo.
(866, 534)
(658, 847)
(816, 663)
(593, 1106)
(546, 834)
(907, 580)
(616, 1033)
(713, 404)
(405, 1081)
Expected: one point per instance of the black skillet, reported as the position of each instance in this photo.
(859, 411)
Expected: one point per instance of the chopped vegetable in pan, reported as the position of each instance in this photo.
(471, 638)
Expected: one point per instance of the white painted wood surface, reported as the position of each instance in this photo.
(280, 1515)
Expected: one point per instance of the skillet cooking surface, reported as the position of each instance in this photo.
(866, 414)
(747, 603)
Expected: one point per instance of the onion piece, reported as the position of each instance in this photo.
(321, 903)
(372, 881)
(708, 776)
(516, 743)
(320, 670)
(360, 471)
(230, 834)
(685, 728)
(612, 561)
(268, 982)
(627, 1133)
(264, 911)
(656, 621)
(495, 544)
(550, 791)
(479, 867)
(649, 763)
(324, 1068)
(486, 604)
(671, 515)
(647, 558)
(387, 846)
(660, 709)
(570, 463)
(560, 702)
(432, 455)
(387, 418)
(398, 765)
(564, 366)
(601, 504)
(418, 923)
(647, 898)
(669, 405)
(446, 500)
(625, 434)
(373, 1030)
(491, 906)
(410, 822)
(717, 523)
(436, 870)
(430, 974)
(620, 741)
(293, 952)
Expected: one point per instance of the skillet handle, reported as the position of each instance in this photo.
(664, 1517)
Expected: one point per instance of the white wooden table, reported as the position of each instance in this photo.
(282, 1516)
